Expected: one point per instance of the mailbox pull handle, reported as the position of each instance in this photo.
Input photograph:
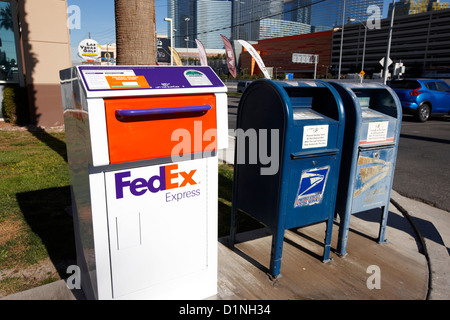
(161, 113)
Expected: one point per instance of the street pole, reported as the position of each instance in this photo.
(364, 46)
(364, 50)
(342, 42)
(187, 40)
(171, 38)
(388, 51)
(316, 60)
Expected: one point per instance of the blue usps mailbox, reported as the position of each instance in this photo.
(372, 129)
(301, 126)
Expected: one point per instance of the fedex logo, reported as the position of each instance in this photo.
(163, 181)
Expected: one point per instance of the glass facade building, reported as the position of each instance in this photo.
(184, 16)
(199, 19)
(213, 19)
(298, 11)
(328, 14)
(246, 16)
(253, 20)
(274, 28)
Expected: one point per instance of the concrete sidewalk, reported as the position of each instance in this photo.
(414, 262)
(432, 226)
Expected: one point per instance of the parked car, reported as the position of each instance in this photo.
(423, 97)
(242, 85)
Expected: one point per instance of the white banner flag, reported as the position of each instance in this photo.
(255, 56)
(201, 53)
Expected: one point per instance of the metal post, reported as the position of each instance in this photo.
(316, 60)
(364, 51)
(364, 47)
(342, 42)
(171, 38)
(388, 51)
(187, 40)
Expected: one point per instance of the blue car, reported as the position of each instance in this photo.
(423, 97)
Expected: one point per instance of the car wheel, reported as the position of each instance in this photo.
(423, 112)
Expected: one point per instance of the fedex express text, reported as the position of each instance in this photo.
(164, 181)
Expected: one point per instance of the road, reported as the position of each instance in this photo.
(422, 171)
(233, 103)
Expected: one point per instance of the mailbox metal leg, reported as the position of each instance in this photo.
(277, 251)
(343, 236)
(383, 223)
(328, 232)
(232, 227)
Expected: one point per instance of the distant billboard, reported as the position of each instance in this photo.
(89, 49)
(163, 51)
(305, 58)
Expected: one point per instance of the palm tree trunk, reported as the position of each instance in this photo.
(135, 32)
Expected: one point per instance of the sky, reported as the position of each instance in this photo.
(97, 18)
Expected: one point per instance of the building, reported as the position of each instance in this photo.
(246, 16)
(35, 46)
(297, 11)
(213, 19)
(329, 13)
(406, 7)
(199, 19)
(252, 19)
(274, 28)
(419, 41)
(183, 14)
(277, 54)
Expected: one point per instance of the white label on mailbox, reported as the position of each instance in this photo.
(369, 114)
(96, 78)
(377, 131)
(306, 115)
(197, 78)
(315, 136)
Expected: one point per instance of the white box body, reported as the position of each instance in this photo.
(137, 236)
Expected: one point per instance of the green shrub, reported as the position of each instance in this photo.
(15, 105)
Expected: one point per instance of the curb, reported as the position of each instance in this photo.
(432, 227)
(424, 249)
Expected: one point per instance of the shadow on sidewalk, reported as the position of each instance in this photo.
(399, 222)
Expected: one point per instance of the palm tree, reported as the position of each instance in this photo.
(6, 18)
(135, 32)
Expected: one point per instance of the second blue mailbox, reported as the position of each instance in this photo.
(373, 116)
(289, 137)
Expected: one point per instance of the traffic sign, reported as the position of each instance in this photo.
(362, 73)
(389, 62)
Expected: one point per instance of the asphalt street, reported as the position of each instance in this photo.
(422, 169)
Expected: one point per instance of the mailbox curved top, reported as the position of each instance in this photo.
(303, 100)
(375, 96)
